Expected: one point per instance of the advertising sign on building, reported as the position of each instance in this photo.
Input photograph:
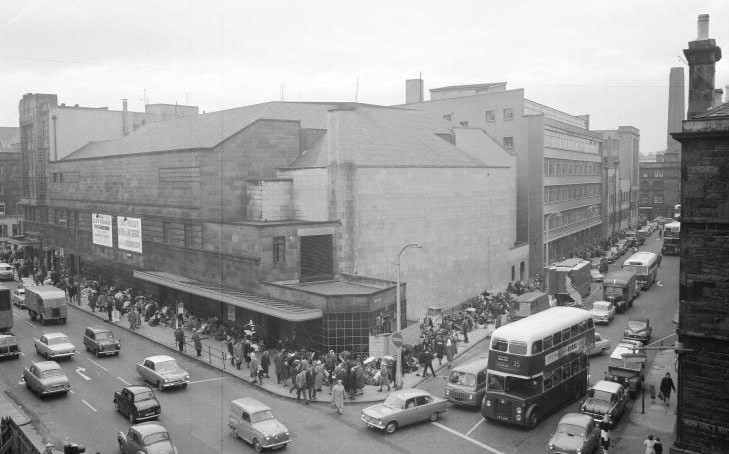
(101, 229)
(129, 233)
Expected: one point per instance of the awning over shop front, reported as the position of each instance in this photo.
(263, 304)
(22, 240)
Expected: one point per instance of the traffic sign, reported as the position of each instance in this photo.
(397, 340)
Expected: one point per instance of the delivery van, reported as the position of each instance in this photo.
(466, 383)
(46, 303)
(620, 288)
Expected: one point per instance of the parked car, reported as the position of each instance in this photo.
(601, 346)
(605, 398)
(254, 422)
(18, 297)
(99, 340)
(6, 272)
(9, 347)
(54, 345)
(403, 407)
(603, 312)
(638, 328)
(576, 434)
(138, 403)
(163, 372)
(597, 276)
(146, 438)
(46, 377)
(612, 255)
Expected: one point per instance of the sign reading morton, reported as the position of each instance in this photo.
(101, 229)
(129, 233)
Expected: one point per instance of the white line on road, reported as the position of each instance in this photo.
(474, 427)
(89, 405)
(98, 365)
(476, 442)
(124, 381)
(28, 322)
(80, 371)
(203, 381)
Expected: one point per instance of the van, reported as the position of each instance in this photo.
(620, 288)
(466, 383)
(528, 304)
(254, 422)
(627, 370)
(46, 303)
(99, 340)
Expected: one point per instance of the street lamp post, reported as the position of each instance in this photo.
(398, 360)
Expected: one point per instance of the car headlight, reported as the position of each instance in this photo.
(167, 380)
(448, 392)
(470, 397)
(187, 377)
(488, 402)
(518, 410)
(287, 434)
(551, 446)
(268, 438)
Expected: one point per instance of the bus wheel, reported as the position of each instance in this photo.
(577, 392)
(532, 417)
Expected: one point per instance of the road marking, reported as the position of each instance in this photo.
(71, 391)
(28, 322)
(124, 381)
(80, 371)
(203, 381)
(89, 405)
(16, 315)
(476, 442)
(474, 427)
(98, 365)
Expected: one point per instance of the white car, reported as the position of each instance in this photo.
(18, 297)
(6, 271)
(54, 345)
(603, 311)
(601, 346)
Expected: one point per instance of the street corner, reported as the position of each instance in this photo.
(8, 408)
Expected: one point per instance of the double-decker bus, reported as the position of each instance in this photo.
(671, 239)
(6, 310)
(645, 266)
(538, 364)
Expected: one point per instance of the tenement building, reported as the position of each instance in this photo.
(702, 417)
(660, 185)
(559, 166)
(291, 215)
(10, 221)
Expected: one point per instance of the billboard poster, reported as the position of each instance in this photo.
(129, 233)
(101, 229)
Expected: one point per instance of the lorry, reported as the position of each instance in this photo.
(627, 366)
(569, 281)
(620, 288)
(528, 304)
(46, 303)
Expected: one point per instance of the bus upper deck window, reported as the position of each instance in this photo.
(565, 334)
(574, 331)
(590, 324)
(537, 347)
(518, 347)
(500, 345)
(582, 326)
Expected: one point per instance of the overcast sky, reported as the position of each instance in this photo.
(606, 58)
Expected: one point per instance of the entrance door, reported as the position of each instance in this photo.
(316, 262)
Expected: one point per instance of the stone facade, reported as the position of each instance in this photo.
(660, 186)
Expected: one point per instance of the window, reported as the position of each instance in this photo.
(2, 188)
(188, 235)
(447, 117)
(490, 115)
(464, 124)
(166, 232)
(279, 246)
(513, 273)
(658, 173)
(508, 114)
(2, 207)
(508, 143)
(547, 342)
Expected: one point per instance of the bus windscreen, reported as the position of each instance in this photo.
(521, 387)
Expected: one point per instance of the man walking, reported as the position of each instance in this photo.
(180, 338)
(197, 342)
(300, 381)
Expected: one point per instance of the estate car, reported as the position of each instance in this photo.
(100, 340)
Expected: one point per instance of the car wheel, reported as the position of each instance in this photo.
(391, 427)
(603, 351)
(257, 445)
(434, 416)
(131, 417)
(159, 386)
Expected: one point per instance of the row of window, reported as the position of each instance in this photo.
(15, 229)
(657, 198)
(555, 377)
(554, 194)
(546, 344)
(574, 216)
(566, 141)
(651, 173)
(570, 167)
(507, 115)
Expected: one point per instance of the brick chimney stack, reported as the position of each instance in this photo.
(702, 55)
(414, 89)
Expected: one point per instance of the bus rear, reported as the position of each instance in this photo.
(6, 310)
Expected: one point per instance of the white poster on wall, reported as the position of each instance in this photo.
(101, 229)
(129, 233)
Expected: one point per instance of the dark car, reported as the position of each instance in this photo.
(138, 403)
(605, 398)
(100, 340)
(638, 328)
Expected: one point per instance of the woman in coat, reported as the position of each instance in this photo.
(338, 396)
(285, 368)
(384, 375)
(265, 362)
(277, 365)
(319, 377)
(666, 387)
(450, 352)
(238, 353)
(254, 367)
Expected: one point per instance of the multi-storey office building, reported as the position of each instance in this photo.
(559, 167)
(292, 215)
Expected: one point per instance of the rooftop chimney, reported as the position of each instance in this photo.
(414, 91)
(702, 55)
(125, 118)
(676, 107)
(718, 92)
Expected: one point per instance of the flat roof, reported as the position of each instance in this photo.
(336, 288)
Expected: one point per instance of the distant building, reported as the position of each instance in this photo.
(702, 413)
(620, 151)
(559, 167)
(660, 186)
(10, 221)
(291, 215)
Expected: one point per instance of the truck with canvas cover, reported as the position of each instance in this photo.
(569, 281)
(620, 288)
(46, 303)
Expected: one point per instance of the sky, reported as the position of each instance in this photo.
(606, 58)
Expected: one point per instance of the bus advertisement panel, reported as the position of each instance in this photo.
(537, 364)
(645, 266)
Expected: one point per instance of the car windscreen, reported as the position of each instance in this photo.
(599, 394)
(144, 395)
(394, 402)
(600, 307)
(462, 378)
(52, 373)
(636, 325)
(571, 429)
(619, 364)
(104, 336)
(164, 366)
(262, 416)
(58, 340)
(156, 438)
